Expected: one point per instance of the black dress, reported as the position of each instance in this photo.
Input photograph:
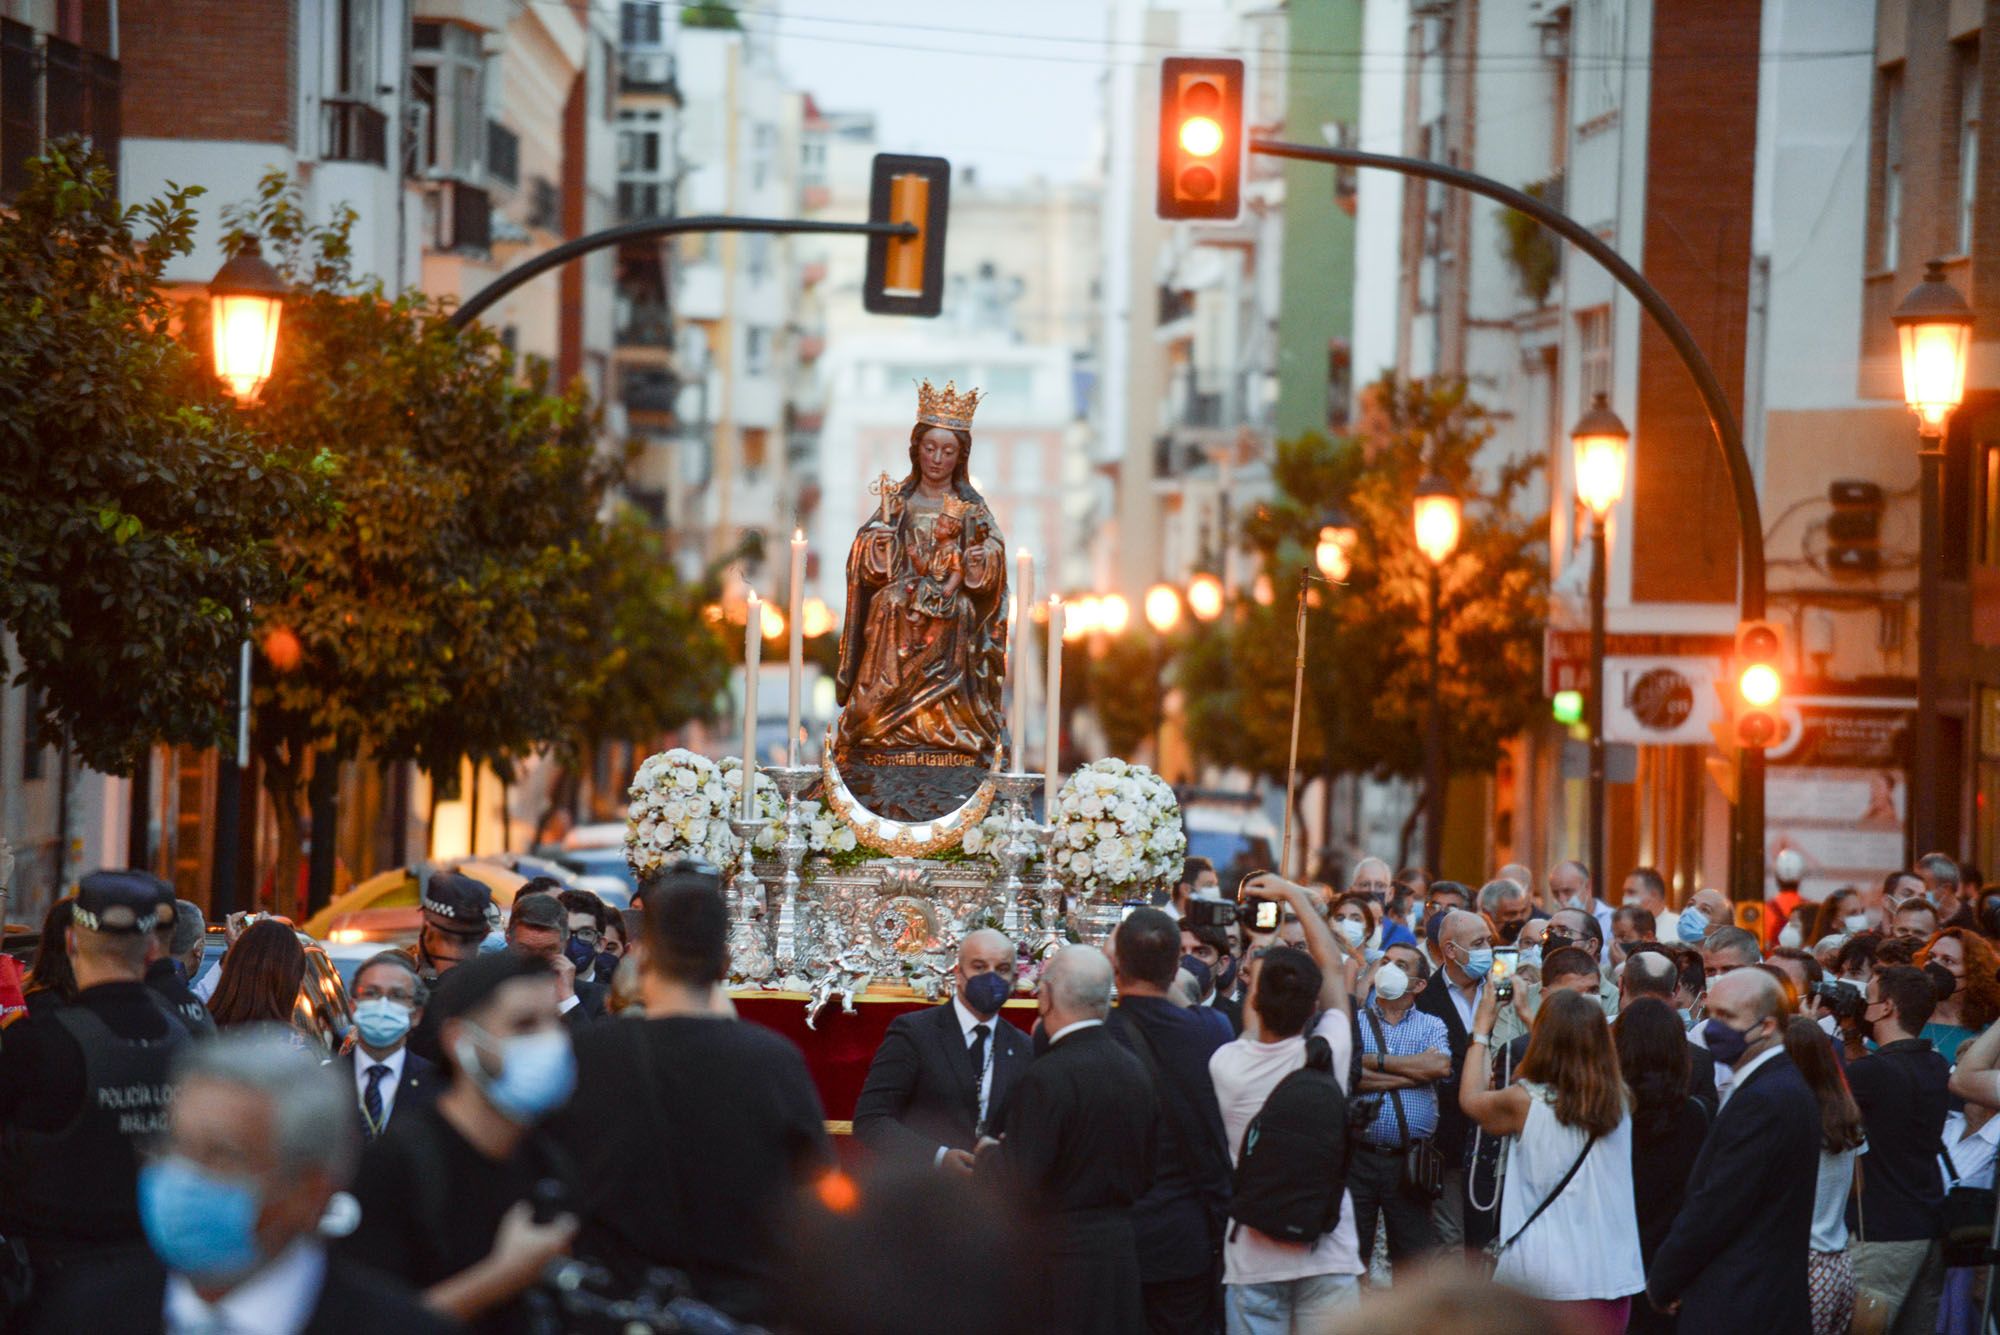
(1664, 1147)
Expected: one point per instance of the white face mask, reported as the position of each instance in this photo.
(1391, 982)
(1855, 922)
(1352, 930)
(1790, 937)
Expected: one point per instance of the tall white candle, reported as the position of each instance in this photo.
(796, 677)
(1052, 716)
(1019, 669)
(753, 656)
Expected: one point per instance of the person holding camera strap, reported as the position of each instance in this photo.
(1406, 1054)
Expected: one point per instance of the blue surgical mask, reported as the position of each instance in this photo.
(200, 1224)
(581, 953)
(382, 1022)
(1531, 957)
(537, 1073)
(986, 992)
(1692, 927)
(1479, 961)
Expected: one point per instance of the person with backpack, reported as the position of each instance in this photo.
(1290, 1255)
(1569, 1230)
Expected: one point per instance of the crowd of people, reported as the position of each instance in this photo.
(1628, 1117)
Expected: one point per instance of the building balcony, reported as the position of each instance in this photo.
(353, 131)
(648, 389)
(503, 154)
(50, 88)
(647, 72)
(463, 218)
(646, 325)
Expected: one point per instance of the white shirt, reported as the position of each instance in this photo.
(1971, 1154)
(1667, 926)
(1465, 999)
(1585, 1247)
(277, 1300)
(1830, 1193)
(1068, 1029)
(1244, 1073)
(363, 1063)
(968, 1020)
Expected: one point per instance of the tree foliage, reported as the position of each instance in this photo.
(1125, 690)
(134, 523)
(1366, 690)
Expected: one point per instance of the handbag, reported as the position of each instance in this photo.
(1965, 1223)
(1495, 1249)
(1423, 1165)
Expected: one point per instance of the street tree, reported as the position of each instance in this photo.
(135, 522)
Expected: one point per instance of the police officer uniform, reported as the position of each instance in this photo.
(460, 909)
(83, 1089)
(164, 975)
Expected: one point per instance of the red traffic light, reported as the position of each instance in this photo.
(1201, 138)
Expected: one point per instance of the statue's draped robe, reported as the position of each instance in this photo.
(919, 690)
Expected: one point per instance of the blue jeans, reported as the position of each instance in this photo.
(1290, 1306)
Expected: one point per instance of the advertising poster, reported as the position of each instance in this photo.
(1835, 789)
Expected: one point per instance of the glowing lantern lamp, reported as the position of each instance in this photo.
(1437, 514)
(1600, 442)
(244, 302)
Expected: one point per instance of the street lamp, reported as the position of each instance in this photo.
(1163, 608)
(245, 300)
(1204, 596)
(1934, 333)
(1114, 614)
(1436, 516)
(1333, 553)
(1601, 442)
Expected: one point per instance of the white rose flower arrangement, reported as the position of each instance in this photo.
(678, 808)
(1118, 831)
(824, 834)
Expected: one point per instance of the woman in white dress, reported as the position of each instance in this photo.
(1569, 1232)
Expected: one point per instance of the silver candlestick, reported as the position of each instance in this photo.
(792, 781)
(1051, 888)
(1017, 845)
(749, 953)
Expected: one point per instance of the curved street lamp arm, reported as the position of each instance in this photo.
(1721, 417)
(646, 229)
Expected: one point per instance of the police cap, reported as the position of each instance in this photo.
(456, 903)
(122, 902)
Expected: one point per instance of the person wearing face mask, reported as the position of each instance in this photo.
(1406, 1058)
(1211, 945)
(259, 1138)
(1507, 903)
(941, 1076)
(1466, 945)
(1704, 913)
(1358, 920)
(388, 1078)
(448, 1194)
(589, 943)
(1571, 886)
(1736, 1257)
(1903, 1092)
(539, 925)
(1653, 972)
(1646, 889)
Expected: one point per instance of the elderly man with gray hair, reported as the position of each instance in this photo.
(1507, 903)
(1079, 1150)
(259, 1139)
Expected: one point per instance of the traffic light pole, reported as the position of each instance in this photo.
(647, 229)
(1746, 879)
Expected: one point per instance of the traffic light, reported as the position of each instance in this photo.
(1201, 137)
(906, 273)
(1760, 685)
(1854, 528)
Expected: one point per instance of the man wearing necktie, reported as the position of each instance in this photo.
(941, 1078)
(389, 999)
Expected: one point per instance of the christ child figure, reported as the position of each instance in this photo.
(937, 592)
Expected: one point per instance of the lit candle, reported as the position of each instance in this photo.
(753, 655)
(1052, 706)
(796, 679)
(1020, 670)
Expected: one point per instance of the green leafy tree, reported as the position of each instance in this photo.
(1125, 690)
(1366, 695)
(440, 607)
(135, 523)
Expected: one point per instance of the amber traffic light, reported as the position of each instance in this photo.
(906, 273)
(1755, 719)
(1201, 137)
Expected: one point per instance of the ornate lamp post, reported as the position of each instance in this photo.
(246, 300)
(1436, 516)
(1934, 332)
(1205, 595)
(1602, 444)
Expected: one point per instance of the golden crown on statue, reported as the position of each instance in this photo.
(947, 407)
(957, 509)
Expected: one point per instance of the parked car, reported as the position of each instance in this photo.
(402, 887)
(598, 851)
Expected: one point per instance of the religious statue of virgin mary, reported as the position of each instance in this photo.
(923, 648)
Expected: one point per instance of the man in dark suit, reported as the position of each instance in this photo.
(539, 925)
(1465, 943)
(942, 1076)
(1211, 946)
(1736, 1258)
(1179, 1223)
(389, 999)
(254, 1112)
(1079, 1150)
